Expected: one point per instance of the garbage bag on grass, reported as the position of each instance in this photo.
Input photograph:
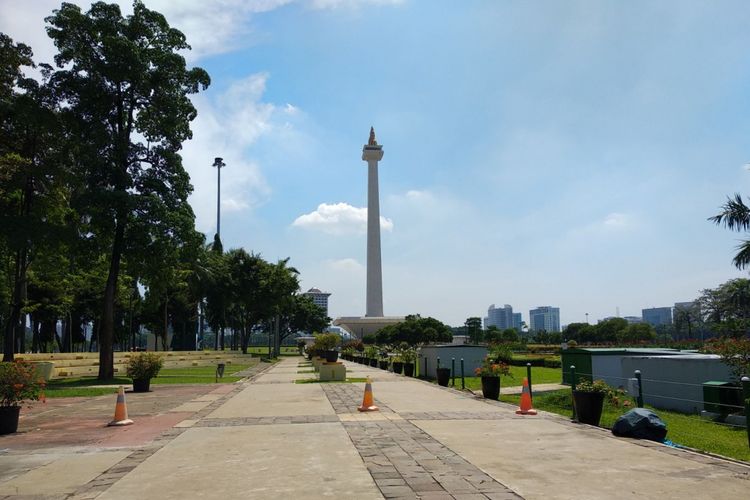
(640, 423)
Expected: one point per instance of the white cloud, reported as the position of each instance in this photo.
(348, 265)
(617, 220)
(227, 126)
(334, 4)
(339, 218)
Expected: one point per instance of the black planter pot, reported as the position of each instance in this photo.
(383, 364)
(331, 356)
(443, 376)
(9, 419)
(491, 387)
(588, 406)
(409, 369)
(374, 362)
(398, 367)
(141, 384)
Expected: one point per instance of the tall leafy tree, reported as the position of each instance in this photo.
(126, 90)
(735, 215)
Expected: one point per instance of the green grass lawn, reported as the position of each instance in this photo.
(539, 375)
(316, 381)
(86, 386)
(263, 351)
(686, 430)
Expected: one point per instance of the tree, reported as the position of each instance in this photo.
(726, 309)
(126, 87)
(735, 215)
(474, 329)
(415, 330)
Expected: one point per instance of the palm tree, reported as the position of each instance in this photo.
(735, 215)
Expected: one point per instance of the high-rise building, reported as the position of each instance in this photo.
(319, 298)
(656, 316)
(502, 318)
(545, 318)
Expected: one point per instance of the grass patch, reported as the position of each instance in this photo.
(79, 392)
(539, 375)
(305, 371)
(198, 375)
(316, 381)
(686, 430)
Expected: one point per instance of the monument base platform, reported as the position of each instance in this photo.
(359, 326)
(332, 371)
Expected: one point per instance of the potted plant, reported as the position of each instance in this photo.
(398, 364)
(142, 368)
(490, 373)
(588, 398)
(409, 356)
(19, 382)
(371, 353)
(326, 343)
(443, 375)
(383, 361)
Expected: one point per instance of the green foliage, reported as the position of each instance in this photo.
(613, 330)
(326, 341)
(19, 382)
(144, 366)
(491, 368)
(735, 353)
(415, 330)
(502, 353)
(726, 309)
(735, 215)
(595, 386)
(369, 339)
(473, 327)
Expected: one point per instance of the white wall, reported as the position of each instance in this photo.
(473, 357)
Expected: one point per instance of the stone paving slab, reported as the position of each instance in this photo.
(269, 400)
(61, 474)
(408, 395)
(283, 461)
(541, 459)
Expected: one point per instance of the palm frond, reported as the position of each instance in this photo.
(742, 259)
(735, 215)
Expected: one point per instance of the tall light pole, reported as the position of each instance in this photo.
(587, 318)
(219, 164)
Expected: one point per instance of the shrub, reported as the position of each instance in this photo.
(326, 341)
(19, 383)
(553, 362)
(502, 353)
(735, 353)
(144, 366)
(490, 368)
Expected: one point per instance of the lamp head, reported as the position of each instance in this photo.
(219, 162)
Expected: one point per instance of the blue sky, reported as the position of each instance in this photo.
(536, 153)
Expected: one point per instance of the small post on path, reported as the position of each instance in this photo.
(528, 377)
(573, 382)
(746, 399)
(453, 371)
(639, 399)
(463, 384)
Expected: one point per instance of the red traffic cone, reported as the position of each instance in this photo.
(121, 410)
(368, 404)
(525, 408)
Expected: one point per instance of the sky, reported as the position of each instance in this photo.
(536, 153)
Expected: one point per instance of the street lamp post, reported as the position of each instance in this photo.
(587, 318)
(219, 164)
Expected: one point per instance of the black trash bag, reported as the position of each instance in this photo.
(640, 423)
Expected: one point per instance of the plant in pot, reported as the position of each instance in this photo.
(398, 364)
(383, 360)
(490, 373)
(326, 343)
(19, 382)
(142, 368)
(588, 398)
(443, 375)
(409, 357)
(371, 354)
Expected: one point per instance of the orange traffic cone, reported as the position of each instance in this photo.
(367, 403)
(526, 408)
(121, 410)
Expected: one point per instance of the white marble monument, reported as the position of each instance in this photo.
(373, 320)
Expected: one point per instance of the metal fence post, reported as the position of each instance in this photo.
(528, 377)
(463, 385)
(453, 371)
(746, 399)
(639, 399)
(573, 382)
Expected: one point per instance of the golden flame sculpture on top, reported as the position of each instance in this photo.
(372, 141)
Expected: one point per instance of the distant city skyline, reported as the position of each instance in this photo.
(546, 152)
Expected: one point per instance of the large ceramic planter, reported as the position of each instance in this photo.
(491, 387)
(374, 362)
(588, 406)
(141, 384)
(398, 367)
(409, 369)
(443, 376)
(383, 364)
(9, 419)
(331, 356)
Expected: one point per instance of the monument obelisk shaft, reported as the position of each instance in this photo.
(372, 153)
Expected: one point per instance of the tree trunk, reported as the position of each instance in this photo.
(34, 334)
(166, 324)
(107, 332)
(13, 326)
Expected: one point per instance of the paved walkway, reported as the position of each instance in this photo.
(270, 438)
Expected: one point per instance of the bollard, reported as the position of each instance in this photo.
(746, 399)
(219, 371)
(438, 362)
(463, 385)
(639, 399)
(425, 365)
(528, 376)
(573, 382)
(453, 371)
